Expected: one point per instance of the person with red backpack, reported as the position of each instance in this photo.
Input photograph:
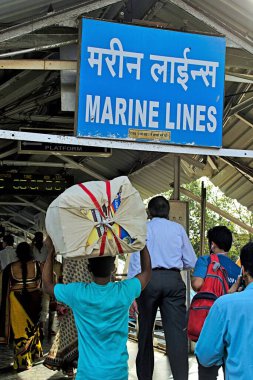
(213, 275)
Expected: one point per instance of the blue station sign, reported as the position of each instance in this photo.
(152, 85)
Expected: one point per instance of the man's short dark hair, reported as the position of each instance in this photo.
(159, 207)
(221, 236)
(9, 240)
(246, 257)
(101, 266)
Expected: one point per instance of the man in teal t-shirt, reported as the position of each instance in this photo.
(101, 315)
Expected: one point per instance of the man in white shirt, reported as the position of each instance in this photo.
(170, 252)
(8, 254)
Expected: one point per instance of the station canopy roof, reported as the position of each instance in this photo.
(32, 99)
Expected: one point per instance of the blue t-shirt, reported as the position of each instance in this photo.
(101, 317)
(231, 268)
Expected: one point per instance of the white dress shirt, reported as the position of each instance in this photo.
(168, 245)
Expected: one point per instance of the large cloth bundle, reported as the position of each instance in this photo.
(97, 218)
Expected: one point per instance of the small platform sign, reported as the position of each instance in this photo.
(31, 147)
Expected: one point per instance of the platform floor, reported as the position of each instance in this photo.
(39, 372)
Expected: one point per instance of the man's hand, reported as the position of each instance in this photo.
(62, 310)
(134, 310)
(236, 287)
(197, 283)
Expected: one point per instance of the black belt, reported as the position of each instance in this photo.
(161, 268)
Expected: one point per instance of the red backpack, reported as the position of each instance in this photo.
(214, 286)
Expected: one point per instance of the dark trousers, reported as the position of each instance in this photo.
(209, 373)
(166, 290)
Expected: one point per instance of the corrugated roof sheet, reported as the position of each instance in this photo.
(236, 13)
(16, 11)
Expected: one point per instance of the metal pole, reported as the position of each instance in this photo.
(176, 196)
(176, 193)
(203, 218)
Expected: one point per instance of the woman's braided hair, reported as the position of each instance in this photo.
(24, 254)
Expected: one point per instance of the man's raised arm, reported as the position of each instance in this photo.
(145, 274)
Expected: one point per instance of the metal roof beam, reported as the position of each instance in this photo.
(70, 165)
(212, 164)
(44, 118)
(123, 144)
(244, 120)
(237, 78)
(67, 17)
(22, 84)
(235, 36)
(29, 204)
(36, 102)
(8, 153)
(81, 167)
(216, 209)
(241, 75)
(37, 64)
(193, 161)
(23, 217)
(136, 9)
(245, 170)
(240, 107)
(37, 48)
(241, 90)
(17, 227)
(238, 58)
(13, 204)
(14, 214)
(37, 40)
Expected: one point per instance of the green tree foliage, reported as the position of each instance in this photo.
(231, 206)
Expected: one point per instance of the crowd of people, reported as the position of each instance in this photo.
(100, 306)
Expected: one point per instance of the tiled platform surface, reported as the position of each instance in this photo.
(39, 372)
